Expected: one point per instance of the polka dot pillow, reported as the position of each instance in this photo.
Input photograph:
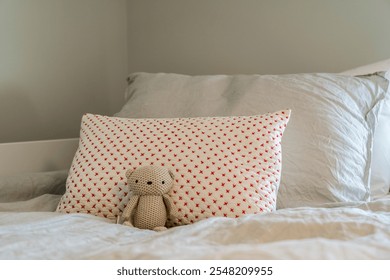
(223, 166)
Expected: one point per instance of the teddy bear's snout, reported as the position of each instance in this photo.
(149, 182)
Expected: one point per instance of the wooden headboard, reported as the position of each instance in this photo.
(36, 156)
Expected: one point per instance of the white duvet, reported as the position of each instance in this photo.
(360, 231)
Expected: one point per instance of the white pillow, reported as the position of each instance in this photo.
(227, 166)
(380, 167)
(380, 179)
(379, 66)
(327, 148)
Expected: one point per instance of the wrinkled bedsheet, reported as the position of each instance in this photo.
(354, 231)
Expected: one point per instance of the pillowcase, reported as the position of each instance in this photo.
(380, 167)
(380, 179)
(223, 166)
(327, 148)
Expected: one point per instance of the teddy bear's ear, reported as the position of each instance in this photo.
(128, 173)
(171, 174)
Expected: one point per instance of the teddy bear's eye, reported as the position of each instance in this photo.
(136, 181)
(163, 182)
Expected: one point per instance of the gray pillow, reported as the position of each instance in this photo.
(327, 145)
(380, 167)
(32, 185)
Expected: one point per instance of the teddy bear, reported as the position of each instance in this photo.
(149, 204)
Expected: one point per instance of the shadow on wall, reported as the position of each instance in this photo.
(15, 105)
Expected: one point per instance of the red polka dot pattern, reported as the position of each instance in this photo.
(223, 166)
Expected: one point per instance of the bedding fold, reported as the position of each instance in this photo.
(353, 231)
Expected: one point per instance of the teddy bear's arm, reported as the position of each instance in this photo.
(168, 204)
(127, 215)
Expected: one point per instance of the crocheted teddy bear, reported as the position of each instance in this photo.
(149, 205)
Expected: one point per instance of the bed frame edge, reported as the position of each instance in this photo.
(36, 156)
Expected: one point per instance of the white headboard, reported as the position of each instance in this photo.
(36, 156)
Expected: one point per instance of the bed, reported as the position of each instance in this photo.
(266, 167)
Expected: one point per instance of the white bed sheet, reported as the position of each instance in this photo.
(356, 231)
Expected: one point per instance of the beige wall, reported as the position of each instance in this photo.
(62, 58)
(58, 60)
(256, 36)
